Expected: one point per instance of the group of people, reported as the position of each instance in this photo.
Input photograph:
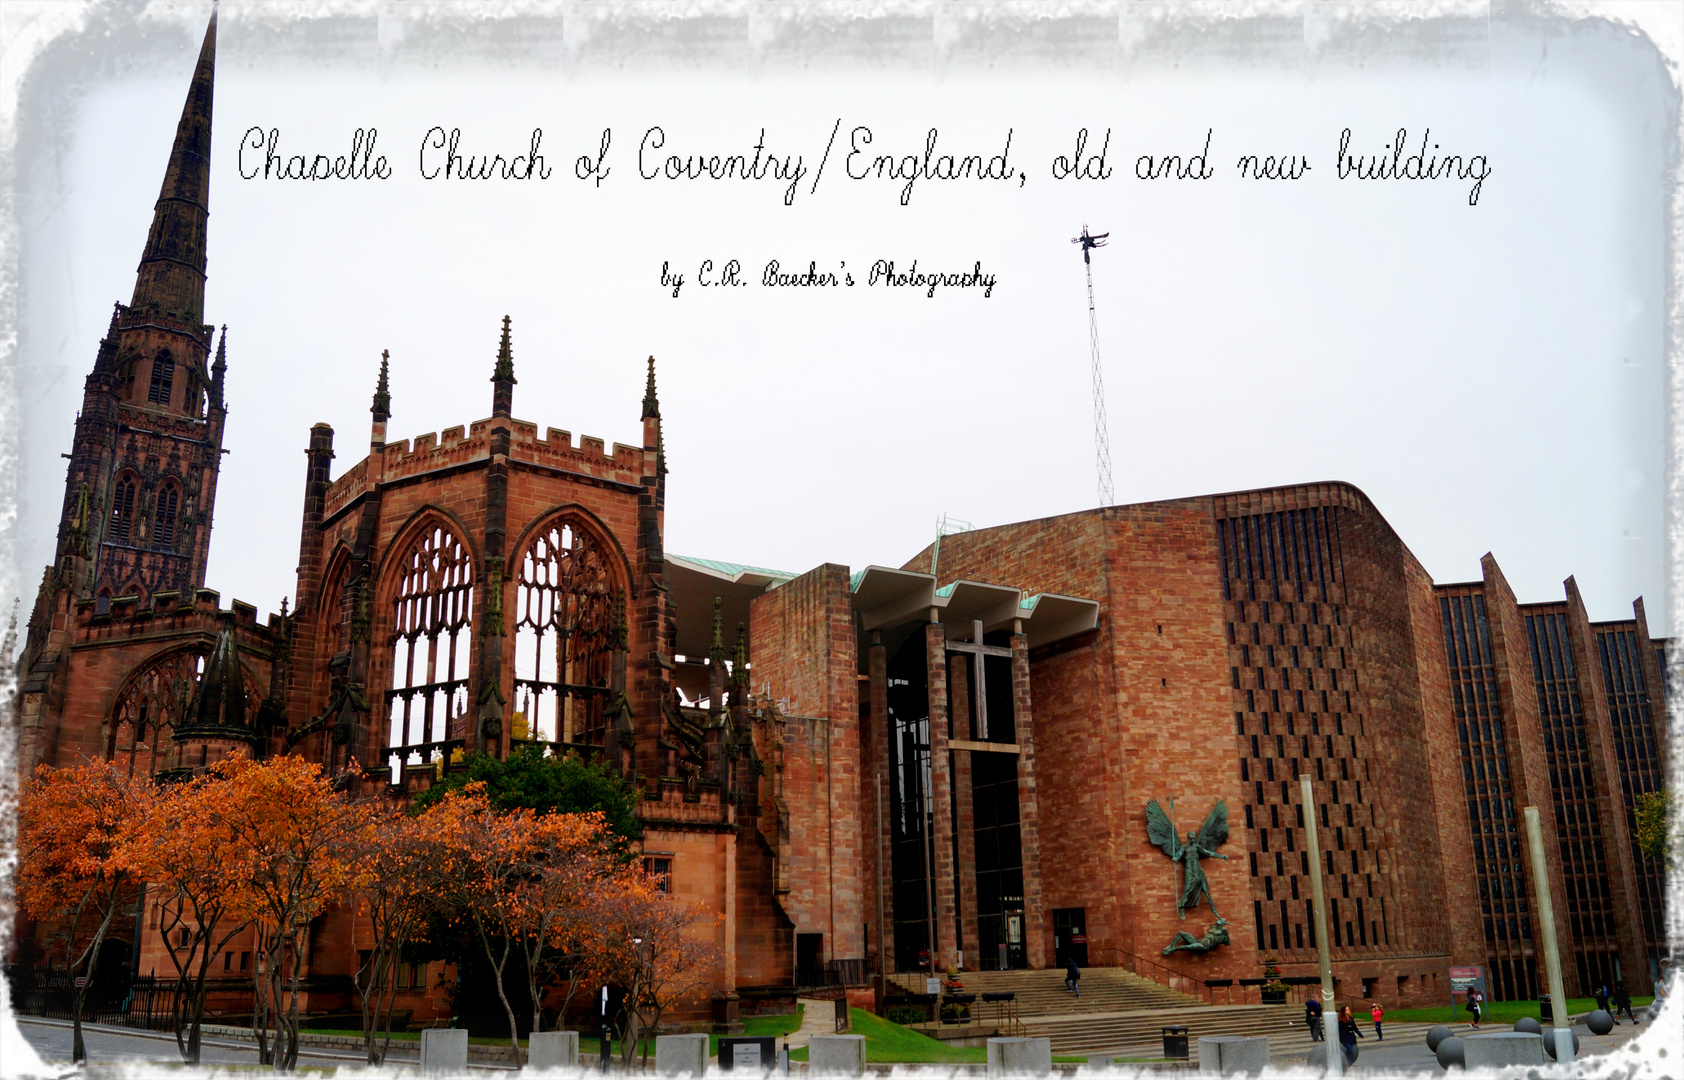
(1620, 999)
(1349, 1033)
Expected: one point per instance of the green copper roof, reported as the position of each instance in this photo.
(730, 569)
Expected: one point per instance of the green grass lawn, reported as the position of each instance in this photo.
(1496, 1012)
(889, 1042)
(775, 1027)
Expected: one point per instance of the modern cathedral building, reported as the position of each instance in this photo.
(943, 762)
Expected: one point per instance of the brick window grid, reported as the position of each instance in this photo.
(1493, 819)
(1298, 710)
(1584, 867)
(1631, 723)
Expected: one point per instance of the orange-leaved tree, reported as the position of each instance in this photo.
(657, 947)
(71, 828)
(183, 847)
(393, 864)
(482, 855)
(571, 862)
(291, 838)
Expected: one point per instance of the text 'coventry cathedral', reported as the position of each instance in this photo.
(876, 808)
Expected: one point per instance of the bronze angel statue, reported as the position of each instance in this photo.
(1200, 845)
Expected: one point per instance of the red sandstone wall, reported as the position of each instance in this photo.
(803, 653)
(446, 475)
(110, 648)
(1382, 585)
(1454, 925)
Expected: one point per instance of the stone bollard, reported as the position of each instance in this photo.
(1233, 1055)
(681, 1055)
(1019, 1057)
(553, 1050)
(836, 1055)
(1501, 1048)
(444, 1051)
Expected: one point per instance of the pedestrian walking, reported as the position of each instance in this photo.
(1378, 1014)
(1476, 1004)
(1622, 1003)
(1602, 997)
(1312, 1020)
(1073, 977)
(1348, 1033)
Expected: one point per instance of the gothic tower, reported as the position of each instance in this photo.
(148, 444)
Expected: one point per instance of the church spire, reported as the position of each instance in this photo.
(503, 376)
(219, 370)
(651, 404)
(172, 268)
(382, 407)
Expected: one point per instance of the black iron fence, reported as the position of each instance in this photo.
(142, 1002)
(831, 973)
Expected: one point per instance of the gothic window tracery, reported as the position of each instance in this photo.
(335, 617)
(150, 707)
(163, 378)
(431, 641)
(122, 509)
(163, 531)
(564, 622)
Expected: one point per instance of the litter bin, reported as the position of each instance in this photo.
(1175, 1043)
(1546, 1012)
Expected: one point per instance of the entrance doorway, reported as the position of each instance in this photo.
(1070, 936)
(809, 959)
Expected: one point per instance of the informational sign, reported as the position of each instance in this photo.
(1014, 929)
(1078, 939)
(81, 981)
(932, 986)
(1463, 979)
(748, 1054)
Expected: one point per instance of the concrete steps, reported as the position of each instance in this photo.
(1093, 1033)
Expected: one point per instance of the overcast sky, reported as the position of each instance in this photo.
(1491, 375)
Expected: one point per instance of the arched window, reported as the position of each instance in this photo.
(564, 614)
(163, 378)
(432, 637)
(163, 530)
(122, 510)
(154, 702)
(335, 615)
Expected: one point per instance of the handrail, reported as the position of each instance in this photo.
(1169, 977)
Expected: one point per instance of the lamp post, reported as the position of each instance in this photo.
(1333, 1048)
(1560, 1032)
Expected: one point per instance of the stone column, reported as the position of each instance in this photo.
(964, 816)
(1028, 811)
(945, 953)
(881, 901)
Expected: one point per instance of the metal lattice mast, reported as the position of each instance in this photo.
(1101, 427)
